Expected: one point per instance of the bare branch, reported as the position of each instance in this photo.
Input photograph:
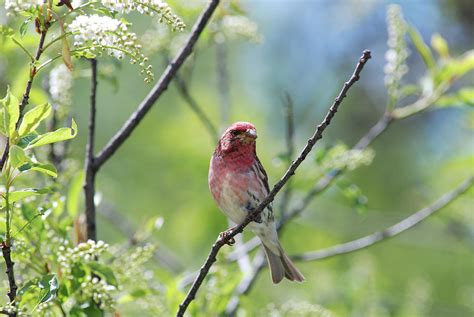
(391, 231)
(259, 263)
(224, 239)
(90, 170)
(184, 92)
(122, 135)
(6, 252)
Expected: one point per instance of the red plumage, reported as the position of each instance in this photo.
(238, 183)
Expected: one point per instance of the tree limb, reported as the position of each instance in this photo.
(391, 231)
(224, 239)
(6, 252)
(90, 170)
(122, 135)
(246, 284)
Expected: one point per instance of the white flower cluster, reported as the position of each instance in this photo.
(17, 6)
(60, 84)
(96, 34)
(86, 251)
(149, 7)
(397, 53)
(99, 291)
(239, 25)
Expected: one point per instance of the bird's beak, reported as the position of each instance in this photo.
(250, 135)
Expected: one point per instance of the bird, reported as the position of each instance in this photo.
(238, 183)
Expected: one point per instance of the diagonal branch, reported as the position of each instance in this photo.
(184, 92)
(246, 284)
(391, 231)
(122, 135)
(224, 239)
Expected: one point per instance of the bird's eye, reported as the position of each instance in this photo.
(236, 132)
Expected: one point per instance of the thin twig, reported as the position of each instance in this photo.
(26, 95)
(223, 84)
(184, 92)
(290, 148)
(246, 284)
(224, 239)
(391, 231)
(90, 170)
(122, 135)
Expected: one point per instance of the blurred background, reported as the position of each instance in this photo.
(306, 49)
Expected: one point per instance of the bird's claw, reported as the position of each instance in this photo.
(224, 236)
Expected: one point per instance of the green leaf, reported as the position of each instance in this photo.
(422, 48)
(20, 194)
(6, 31)
(33, 118)
(23, 142)
(27, 286)
(48, 169)
(59, 135)
(74, 194)
(50, 285)
(456, 68)
(105, 272)
(11, 113)
(463, 97)
(3, 129)
(24, 26)
(18, 156)
(440, 45)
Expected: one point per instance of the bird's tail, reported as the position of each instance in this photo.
(281, 265)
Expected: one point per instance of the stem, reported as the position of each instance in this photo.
(26, 95)
(224, 239)
(89, 182)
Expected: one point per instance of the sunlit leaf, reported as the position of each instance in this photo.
(11, 112)
(456, 68)
(440, 45)
(24, 26)
(105, 272)
(17, 156)
(33, 118)
(463, 97)
(27, 286)
(47, 168)
(50, 286)
(422, 48)
(20, 194)
(59, 135)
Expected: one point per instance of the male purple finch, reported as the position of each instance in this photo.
(238, 184)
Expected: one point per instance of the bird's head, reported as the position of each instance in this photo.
(240, 136)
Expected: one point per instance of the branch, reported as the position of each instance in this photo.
(290, 147)
(90, 170)
(6, 252)
(246, 284)
(224, 239)
(391, 231)
(184, 92)
(122, 135)
(26, 95)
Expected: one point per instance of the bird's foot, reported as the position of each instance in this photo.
(224, 236)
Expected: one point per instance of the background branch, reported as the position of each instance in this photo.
(122, 135)
(90, 170)
(224, 239)
(259, 262)
(184, 92)
(391, 231)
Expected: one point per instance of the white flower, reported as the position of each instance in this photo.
(60, 84)
(96, 34)
(16, 6)
(149, 7)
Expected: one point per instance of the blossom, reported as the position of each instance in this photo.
(149, 7)
(60, 84)
(17, 6)
(95, 34)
